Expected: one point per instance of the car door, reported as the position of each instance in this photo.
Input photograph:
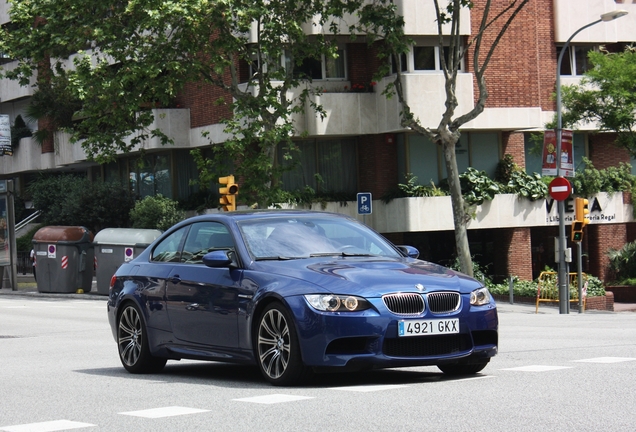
(202, 302)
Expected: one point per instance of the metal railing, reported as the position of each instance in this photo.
(27, 220)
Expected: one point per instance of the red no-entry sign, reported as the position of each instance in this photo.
(560, 188)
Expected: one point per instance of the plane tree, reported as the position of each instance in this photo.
(384, 26)
(100, 68)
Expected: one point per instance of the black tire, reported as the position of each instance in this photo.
(456, 369)
(276, 347)
(132, 343)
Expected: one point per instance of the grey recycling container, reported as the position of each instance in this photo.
(64, 259)
(115, 246)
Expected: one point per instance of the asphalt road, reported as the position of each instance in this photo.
(59, 370)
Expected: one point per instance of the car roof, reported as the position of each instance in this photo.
(268, 213)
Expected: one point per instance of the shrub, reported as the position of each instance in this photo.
(75, 200)
(156, 212)
(623, 261)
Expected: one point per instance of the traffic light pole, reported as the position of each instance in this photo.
(579, 274)
(564, 300)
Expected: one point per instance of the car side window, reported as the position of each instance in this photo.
(168, 249)
(205, 237)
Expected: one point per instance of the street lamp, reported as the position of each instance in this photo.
(564, 295)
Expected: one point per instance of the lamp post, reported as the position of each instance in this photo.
(564, 295)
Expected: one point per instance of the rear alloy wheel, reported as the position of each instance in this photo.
(132, 343)
(463, 368)
(277, 349)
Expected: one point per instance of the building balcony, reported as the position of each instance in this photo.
(570, 15)
(28, 156)
(424, 214)
(11, 90)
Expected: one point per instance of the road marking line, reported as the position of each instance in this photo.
(273, 399)
(606, 360)
(473, 378)
(369, 388)
(537, 368)
(50, 426)
(163, 412)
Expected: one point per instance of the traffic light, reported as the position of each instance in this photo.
(228, 193)
(580, 211)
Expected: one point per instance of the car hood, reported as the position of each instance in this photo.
(371, 276)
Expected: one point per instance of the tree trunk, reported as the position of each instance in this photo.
(459, 214)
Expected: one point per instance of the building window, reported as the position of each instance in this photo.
(424, 159)
(575, 60)
(428, 58)
(324, 68)
(424, 58)
(319, 166)
(403, 64)
(150, 175)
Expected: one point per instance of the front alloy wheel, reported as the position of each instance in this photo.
(277, 348)
(132, 343)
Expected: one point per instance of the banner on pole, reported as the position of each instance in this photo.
(549, 158)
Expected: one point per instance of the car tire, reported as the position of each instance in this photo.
(132, 343)
(276, 347)
(463, 368)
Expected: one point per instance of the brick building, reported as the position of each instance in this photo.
(360, 145)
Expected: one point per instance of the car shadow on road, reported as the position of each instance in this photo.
(241, 376)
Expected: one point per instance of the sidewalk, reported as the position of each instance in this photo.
(27, 287)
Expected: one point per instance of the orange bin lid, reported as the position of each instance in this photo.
(73, 234)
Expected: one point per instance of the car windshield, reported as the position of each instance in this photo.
(309, 236)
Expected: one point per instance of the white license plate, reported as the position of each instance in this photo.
(428, 327)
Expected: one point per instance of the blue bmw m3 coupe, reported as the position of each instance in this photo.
(295, 292)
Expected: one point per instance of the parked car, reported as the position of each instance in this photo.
(295, 292)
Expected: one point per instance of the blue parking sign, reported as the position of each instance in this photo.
(364, 203)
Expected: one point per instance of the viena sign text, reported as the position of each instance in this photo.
(604, 209)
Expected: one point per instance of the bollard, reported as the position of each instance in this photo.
(511, 288)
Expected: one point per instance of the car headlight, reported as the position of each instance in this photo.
(480, 297)
(337, 303)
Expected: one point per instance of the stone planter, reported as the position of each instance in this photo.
(603, 303)
(623, 293)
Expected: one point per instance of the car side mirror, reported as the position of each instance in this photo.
(409, 251)
(216, 259)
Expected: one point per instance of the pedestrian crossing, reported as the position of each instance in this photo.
(284, 398)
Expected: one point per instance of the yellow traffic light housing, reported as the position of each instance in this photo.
(228, 193)
(580, 219)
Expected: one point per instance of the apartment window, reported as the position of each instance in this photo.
(428, 58)
(424, 58)
(319, 166)
(425, 160)
(575, 60)
(150, 175)
(321, 69)
(403, 64)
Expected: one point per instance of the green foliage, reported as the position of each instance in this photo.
(156, 212)
(76, 201)
(24, 242)
(479, 272)
(477, 187)
(521, 288)
(19, 130)
(149, 50)
(606, 96)
(622, 262)
(595, 286)
(590, 180)
(530, 186)
(413, 189)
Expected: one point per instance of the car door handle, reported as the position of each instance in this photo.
(175, 279)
